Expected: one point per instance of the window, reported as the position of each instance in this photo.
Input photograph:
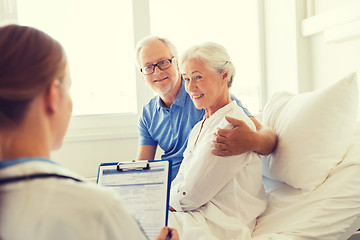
(98, 39)
(231, 23)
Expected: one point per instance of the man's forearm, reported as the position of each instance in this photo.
(266, 141)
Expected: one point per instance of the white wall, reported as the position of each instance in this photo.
(335, 49)
(84, 157)
(280, 45)
(287, 53)
(333, 59)
(328, 51)
(8, 12)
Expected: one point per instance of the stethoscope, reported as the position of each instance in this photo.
(31, 176)
(35, 176)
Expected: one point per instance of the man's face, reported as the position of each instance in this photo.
(161, 81)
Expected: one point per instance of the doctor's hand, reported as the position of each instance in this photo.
(229, 142)
(165, 232)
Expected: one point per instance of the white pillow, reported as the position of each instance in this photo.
(352, 155)
(314, 131)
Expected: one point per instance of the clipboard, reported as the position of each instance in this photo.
(144, 187)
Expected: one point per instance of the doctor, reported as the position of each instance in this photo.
(39, 198)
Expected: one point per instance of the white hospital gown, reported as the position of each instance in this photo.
(60, 209)
(217, 197)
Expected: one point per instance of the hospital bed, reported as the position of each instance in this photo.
(312, 179)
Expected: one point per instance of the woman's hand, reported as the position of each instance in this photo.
(173, 234)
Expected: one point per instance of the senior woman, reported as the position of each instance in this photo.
(214, 197)
(39, 199)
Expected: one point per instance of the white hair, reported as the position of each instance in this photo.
(215, 55)
(150, 39)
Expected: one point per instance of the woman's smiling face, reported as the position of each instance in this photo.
(206, 87)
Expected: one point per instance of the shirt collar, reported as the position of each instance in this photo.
(221, 112)
(9, 163)
(180, 98)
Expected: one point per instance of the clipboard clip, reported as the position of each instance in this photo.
(134, 166)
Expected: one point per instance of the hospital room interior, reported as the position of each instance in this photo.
(297, 72)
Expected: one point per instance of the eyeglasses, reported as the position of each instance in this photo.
(162, 65)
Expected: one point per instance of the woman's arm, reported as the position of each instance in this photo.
(198, 184)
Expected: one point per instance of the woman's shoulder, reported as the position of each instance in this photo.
(237, 112)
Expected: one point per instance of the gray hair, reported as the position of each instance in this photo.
(215, 55)
(150, 39)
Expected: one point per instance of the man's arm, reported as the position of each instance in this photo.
(241, 139)
(146, 152)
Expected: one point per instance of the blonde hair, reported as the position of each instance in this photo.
(29, 61)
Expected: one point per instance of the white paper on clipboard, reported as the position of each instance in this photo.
(144, 190)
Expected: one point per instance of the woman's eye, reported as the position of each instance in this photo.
(198, 77)
(187, 79)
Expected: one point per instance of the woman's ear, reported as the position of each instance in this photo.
(52, 97)
(225, 75)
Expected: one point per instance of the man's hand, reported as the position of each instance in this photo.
(165, 232)
(241, 139)
(228, 142)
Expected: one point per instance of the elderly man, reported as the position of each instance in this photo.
(169, 117)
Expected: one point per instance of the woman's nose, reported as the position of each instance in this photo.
(192, 85)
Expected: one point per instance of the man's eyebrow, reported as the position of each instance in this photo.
(156, 61)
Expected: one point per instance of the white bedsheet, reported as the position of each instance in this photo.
(330, 212)
(316, 215)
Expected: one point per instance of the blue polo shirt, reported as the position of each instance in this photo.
(170, 127)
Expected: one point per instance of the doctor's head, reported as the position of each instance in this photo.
(208, 73)
(34, 79)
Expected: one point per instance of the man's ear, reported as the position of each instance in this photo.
(52, 97)
(177, 64)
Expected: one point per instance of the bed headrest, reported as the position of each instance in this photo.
(314, 130)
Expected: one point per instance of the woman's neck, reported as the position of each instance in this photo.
(22, 143)
(222, 102)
